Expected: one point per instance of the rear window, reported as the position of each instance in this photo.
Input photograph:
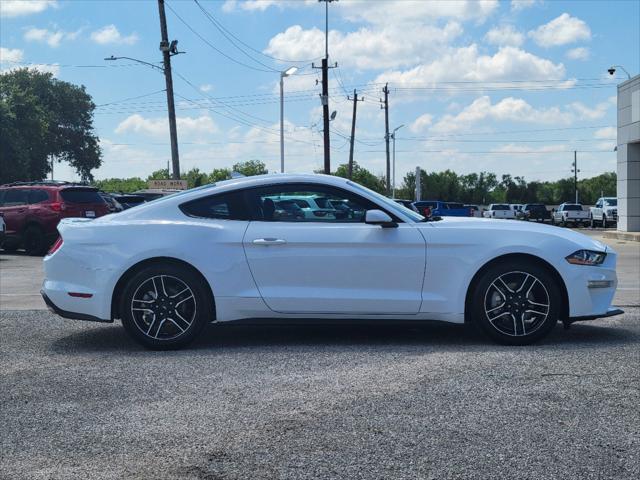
(572, 207)
(455, 206)
(83, 195)
(500, 207)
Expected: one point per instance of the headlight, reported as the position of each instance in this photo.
(586, 257)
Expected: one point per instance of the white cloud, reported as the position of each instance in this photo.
(50, 37)
(507, 109)
(367, 48)
(11, 58)
(579, 53)
(518, 5)
(561, 31)
(159, 127)
(518, 110)
(109, 34)
(421, 123)
(10, 55)
(605, 133)
(388, 12)
(586, 113)
(504, 35)
(465, 63)
(17, 8)
(206, 87)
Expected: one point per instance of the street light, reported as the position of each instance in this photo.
(393, 136)
(286, 73)
(612, 70)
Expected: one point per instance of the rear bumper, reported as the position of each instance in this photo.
(72, 315)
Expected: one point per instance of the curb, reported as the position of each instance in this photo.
(628, 236)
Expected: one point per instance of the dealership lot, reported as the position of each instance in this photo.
(81, 400)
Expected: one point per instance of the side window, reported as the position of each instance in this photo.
(15, 197)
(307, 203)
(37, 196)
(224, 206)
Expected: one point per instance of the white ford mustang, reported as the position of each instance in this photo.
(233, 251)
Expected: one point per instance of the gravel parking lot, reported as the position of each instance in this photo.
(81, 400)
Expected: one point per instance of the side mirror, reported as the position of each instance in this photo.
(378, 217)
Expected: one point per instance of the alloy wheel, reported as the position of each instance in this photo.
(516, 303)
(163, 307)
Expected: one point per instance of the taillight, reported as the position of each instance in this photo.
(57, 244)
(58, 206)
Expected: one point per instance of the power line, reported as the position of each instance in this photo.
(130, 98)
(269, 70)
(226, 31)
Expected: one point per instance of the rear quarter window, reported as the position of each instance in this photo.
(81, 196)
(224, 206)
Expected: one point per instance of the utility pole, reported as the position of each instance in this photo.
(575, 173)
(353, 130)
(325, 90)
(167, 49)
(418, 185)
(386, 134)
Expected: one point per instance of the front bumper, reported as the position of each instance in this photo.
(72, 315)
(610, 313)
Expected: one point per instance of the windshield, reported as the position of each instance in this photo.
(611, 202)
(390, 204)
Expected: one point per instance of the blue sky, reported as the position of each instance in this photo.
(508, 87)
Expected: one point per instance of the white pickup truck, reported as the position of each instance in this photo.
(570, 213)
(500, 210)
(605, 212)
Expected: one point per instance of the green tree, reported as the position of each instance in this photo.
(219, 174)
(195, 178)
(42, 117)
(162, 174)
(124, 185)
(362, 176)
(250, 168)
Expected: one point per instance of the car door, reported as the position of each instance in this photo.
(332, 264)
(14, 207)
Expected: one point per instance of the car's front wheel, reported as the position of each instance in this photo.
(516, 303)
(165, 306)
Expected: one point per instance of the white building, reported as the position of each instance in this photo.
(629, 155)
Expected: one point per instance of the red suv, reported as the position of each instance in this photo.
(33, 210)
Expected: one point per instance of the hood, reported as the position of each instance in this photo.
(506, 226)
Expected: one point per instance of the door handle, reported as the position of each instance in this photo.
(269, 241)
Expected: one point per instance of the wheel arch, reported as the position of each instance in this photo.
(131, 271)
(564, 313)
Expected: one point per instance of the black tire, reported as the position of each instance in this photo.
(604, 221)
(500, 323)
(10, 247)
(592, 223)
(173, 320)
(34, 241)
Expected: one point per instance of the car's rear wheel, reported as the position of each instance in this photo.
(516, 303)
(33, 241)
(165, 306)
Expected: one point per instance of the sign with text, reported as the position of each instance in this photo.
(168, 184)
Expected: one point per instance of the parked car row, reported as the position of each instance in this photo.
(604, 213)
(30, 211)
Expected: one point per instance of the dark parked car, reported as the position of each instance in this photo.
(32, 211)
(537, 212)
(114, 205)
(128, 200)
